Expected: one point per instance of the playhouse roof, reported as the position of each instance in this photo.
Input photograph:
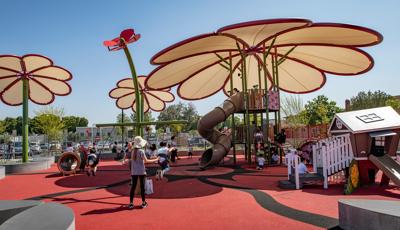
(366, 120)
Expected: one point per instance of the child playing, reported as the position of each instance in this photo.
(92, 162)
(190, 152)
(302, 166)
(163, 154)
(260, 160)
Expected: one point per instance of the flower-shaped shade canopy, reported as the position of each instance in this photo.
(153, 99)
(127, 35)
(45, 80)
(195, 64)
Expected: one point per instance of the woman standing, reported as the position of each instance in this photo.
(138, 169)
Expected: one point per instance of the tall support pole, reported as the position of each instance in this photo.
(247, 112)
(278, 113)
(233, 128)
(265, 55)
(141, 113)
(136, 85)
(245, 105)
(25, 125)
(123, 127)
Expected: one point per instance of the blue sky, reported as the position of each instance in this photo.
(71, 34)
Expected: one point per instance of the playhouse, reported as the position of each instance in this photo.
(374, 135)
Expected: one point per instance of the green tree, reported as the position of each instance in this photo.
(320, 110)
(49, 121)
(181, 111)
(147, 116)
(126, 119)
(394, 103)
(51, 125)
(191, 115)
(36, 126)
(2, 127)
(292, 107)
(71, 122)
(10, 124)
(367, 100)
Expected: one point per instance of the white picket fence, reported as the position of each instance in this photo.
(292, 161)
(333, 155)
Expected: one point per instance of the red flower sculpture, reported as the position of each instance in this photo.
(126, 37)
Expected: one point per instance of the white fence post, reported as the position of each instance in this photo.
(324, 166)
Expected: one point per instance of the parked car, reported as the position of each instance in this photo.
(18, 148)
(103, 146)
(67, 144)
(44, 147)
(54, 146)
(2, 149)
(35, 147)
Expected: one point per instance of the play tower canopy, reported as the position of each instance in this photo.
(248, 54)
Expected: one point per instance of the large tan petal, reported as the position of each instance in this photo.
(126, 83)
(194, 46)
(55, 86)
(176, 72)
(256, 31)
(126, 101)
(33, 62)
(13, 95)
(10, 62)
(5, 82)
(6, 73)
(145, 106)
(119, 92)
(252, 76)
(332, 59)
(295, 77)
(155, 103)
(334, 34)
(163, 95)
(141, 80)
(204, 83)
(39, 94)
(55, 72)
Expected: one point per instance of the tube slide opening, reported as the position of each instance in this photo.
(206, 158)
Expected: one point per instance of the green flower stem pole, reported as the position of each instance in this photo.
(25, 130)
(141, 112)
(138, 110)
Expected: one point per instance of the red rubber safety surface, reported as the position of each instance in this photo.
(182, 200)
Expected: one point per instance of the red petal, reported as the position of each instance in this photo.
(127, 34)
(110, 43)
(134, 38)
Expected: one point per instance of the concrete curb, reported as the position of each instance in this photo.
(41, 163)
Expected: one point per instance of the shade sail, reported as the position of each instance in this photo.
(153, 99)
(44, 79)
(194, 65)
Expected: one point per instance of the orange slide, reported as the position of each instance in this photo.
(206, 128)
